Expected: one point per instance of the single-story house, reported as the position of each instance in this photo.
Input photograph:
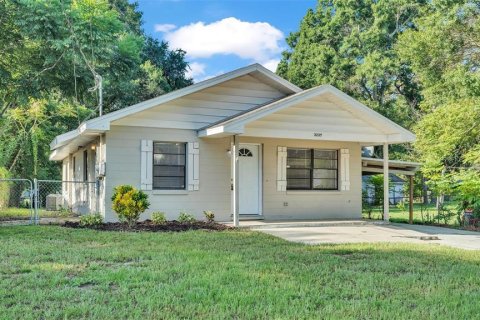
(243, 144)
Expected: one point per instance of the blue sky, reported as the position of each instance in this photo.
(220, 36)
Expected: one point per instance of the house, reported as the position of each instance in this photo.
(397, 189)
(245, 144)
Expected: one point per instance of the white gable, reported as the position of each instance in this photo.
(321, 113)
(207, 106)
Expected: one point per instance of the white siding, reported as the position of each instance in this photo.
(309, 204)
(123, 154)
(207, 106)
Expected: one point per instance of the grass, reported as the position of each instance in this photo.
(12, 213)
(49, 272)
(398, 214)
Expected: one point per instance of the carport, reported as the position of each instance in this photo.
(372, 166)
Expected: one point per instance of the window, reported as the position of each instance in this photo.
(169, 165)
(85, 165)
(244, 152)
(312, 169)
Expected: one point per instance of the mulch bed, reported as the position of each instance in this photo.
(147, 225)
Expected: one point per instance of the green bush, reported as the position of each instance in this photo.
(159, 218)
(129, 203)
(186, 218)
(4, 188)
(209, 215)
(91, 220)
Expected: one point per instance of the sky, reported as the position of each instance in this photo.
(220, 36)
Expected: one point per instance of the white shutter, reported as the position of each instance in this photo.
(282, 169)
(146, 165)
(193, 166)
(345, 169)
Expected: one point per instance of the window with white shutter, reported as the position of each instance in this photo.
(193, 166)
(281, 168)
(345, 169)
(146, 162)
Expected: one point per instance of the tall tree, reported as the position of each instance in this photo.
(50, 53)
(444, 52)
(350, 44)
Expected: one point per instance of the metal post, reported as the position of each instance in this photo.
(36, 196)
(235, 171)
(386, 191)
(410, 205)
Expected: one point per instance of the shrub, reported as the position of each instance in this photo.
(185, 218)
(129, 203)
(209, 215)
(4, 188)
(91, 220)
(159, 218)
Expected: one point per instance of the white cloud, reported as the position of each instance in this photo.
(196, 69)
(258, 41)
(271, 64)
(164, 27)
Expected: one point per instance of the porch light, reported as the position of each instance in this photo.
(229, 153)
(93, 147)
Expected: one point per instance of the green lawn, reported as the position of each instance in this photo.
(429, 213)
(24, 213)
(49, 272)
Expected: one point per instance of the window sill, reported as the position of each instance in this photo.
(315, 192)
(171, 192)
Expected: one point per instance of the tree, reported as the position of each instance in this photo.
(50, 53)
(350, 44)
(444, 53)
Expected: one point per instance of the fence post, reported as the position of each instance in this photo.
(37, 198)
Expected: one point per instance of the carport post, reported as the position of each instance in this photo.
(235, 181)
(410, 204)
(386, 191)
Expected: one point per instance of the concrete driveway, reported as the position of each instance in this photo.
(368, 232)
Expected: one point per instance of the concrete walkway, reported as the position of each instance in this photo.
(365, 231)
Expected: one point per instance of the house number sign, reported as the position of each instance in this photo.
(317, 134)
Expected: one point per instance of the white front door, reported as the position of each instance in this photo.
(249, 179)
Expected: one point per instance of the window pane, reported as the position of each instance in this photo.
(325, 184)
(169, 182)
(325, 154)
(325, 164)
(168, 171)
(169, 159)
(322, 173)
(169, 147)
(298, 173)
(298, 183)
(299, 153)
(299, 163)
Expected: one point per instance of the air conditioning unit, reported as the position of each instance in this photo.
(54, 202)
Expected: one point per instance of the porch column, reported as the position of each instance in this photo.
(235, 182)
(386, 191)
(410, 205)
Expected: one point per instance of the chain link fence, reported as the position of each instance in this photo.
(16, 200)
(30, 201)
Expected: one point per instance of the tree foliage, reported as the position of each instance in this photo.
(350, 44)
(416, 62)
(50, 52)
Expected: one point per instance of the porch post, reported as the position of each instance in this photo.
(386, 191)
(235, 182)
(410, 205)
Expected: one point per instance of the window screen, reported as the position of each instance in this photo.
(169, 165)
(312, 169)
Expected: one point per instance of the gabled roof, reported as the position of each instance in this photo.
(102, 124)
(236, 124)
